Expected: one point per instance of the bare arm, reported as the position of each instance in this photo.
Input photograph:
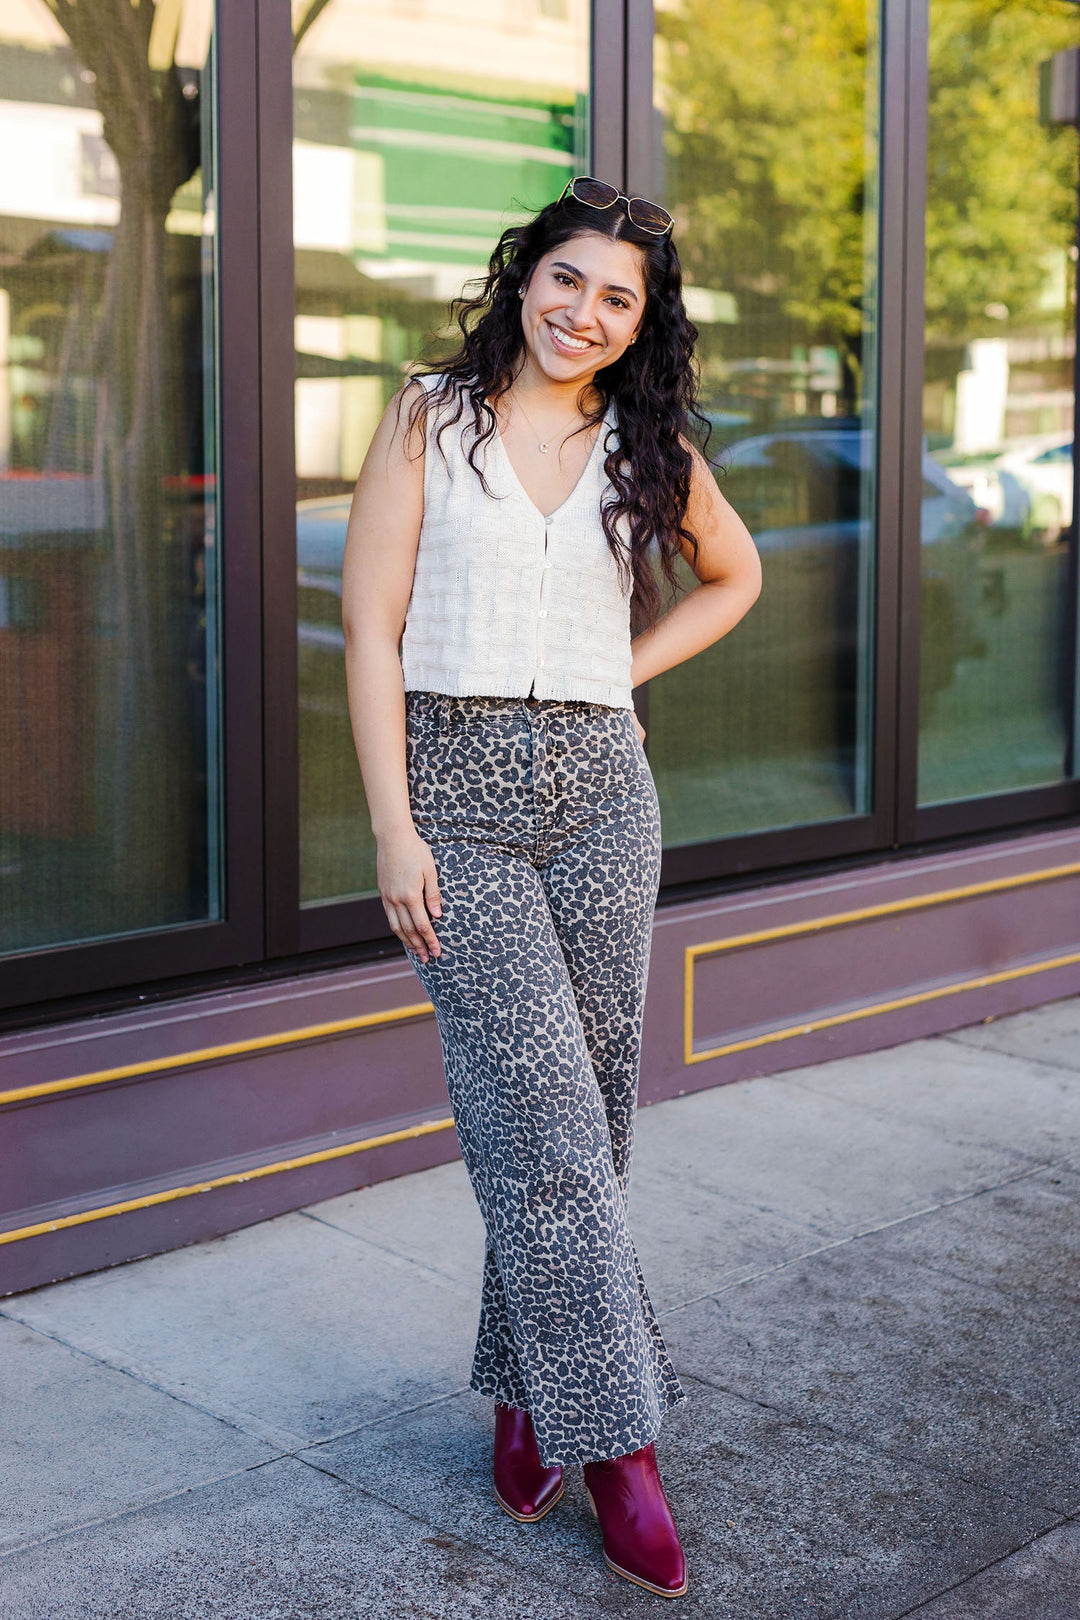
(729, 572)
(380, 560)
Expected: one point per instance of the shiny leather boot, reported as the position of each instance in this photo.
(523, 1485)
(640, 1538)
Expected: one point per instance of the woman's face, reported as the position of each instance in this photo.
(582, 306)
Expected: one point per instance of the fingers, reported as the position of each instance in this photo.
(409, 920)
(431, 889)
(412, 925)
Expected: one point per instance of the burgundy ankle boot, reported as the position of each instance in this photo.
(640, 1538)
(523, 1485)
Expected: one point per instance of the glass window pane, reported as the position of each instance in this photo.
(769, 149)
(421, 133)
(109, 700)
(997, 403)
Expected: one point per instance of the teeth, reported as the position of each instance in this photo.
(571, 342)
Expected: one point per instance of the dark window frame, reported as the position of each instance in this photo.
(990, 813)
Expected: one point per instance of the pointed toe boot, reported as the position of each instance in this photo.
(640, 1538)
(524, 1486)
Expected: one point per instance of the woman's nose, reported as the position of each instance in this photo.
(580, 313)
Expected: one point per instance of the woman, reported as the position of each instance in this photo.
(503, 536)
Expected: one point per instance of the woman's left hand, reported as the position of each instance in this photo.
(640, 729)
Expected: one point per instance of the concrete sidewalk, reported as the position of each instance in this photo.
(869, 1274)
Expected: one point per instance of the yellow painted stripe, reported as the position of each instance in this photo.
(863, 914)
(889, 908)
(211, 1054)
(170, 1193)
(899, 1002)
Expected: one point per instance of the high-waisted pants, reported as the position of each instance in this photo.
(543, 820)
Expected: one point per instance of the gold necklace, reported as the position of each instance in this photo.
(545, 444)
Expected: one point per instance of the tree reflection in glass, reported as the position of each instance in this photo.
(768, 113)
(108, 588)
(998, 401)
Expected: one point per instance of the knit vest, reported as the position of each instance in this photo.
(508, 602)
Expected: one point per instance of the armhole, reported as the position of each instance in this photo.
(427, 383)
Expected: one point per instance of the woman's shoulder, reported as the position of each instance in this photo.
(440, 392)
(428, 380)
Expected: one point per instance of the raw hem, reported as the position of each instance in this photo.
(587, 1454)
(498, 1392)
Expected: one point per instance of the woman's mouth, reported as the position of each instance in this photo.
(565, 342)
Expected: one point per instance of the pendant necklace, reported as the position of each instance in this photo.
(544, 444)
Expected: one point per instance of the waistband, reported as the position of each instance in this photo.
(447, 707)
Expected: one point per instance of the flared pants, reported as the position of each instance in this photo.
(543, 820)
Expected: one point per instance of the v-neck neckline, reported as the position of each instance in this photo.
(606, 422)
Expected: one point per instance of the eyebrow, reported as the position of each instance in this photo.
(561, 264)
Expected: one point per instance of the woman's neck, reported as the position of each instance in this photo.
(540, 392)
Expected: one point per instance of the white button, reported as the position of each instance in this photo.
(543, 613)
(547, 565)
(539, 663)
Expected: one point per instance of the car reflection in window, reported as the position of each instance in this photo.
(805, 495)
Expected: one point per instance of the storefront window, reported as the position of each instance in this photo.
(109, 698)
(769, 162)
(994, 690)
(421, 133)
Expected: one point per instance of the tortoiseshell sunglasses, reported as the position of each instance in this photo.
(647, 216)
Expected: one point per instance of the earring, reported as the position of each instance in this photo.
(521, 292)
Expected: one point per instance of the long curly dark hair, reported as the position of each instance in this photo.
(653, 386)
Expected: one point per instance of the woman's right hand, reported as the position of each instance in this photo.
(407, 877)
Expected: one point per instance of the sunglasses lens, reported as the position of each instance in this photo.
(648, 216)
(597, 193)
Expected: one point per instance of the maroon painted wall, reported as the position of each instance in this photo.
(79, 1151)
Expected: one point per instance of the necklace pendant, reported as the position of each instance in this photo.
(544, 449)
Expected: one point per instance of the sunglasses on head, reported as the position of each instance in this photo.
(647, 216)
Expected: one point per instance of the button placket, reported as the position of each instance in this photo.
(542, 610)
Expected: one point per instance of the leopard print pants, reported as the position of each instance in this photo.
(543, 819)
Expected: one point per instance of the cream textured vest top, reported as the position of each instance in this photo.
(506, 601)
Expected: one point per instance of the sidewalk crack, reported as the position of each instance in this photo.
(866, 1231)
(930, 1465)
(924, 1603)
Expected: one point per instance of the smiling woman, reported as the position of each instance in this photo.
(489, 597)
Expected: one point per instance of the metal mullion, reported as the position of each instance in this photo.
(607, 92)
(639, 27)
(914, 300)
(277, 307)
(237, 137)
(640, 177)
(999, 812)
(335, 923)
(890, 421)
(761, 853)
